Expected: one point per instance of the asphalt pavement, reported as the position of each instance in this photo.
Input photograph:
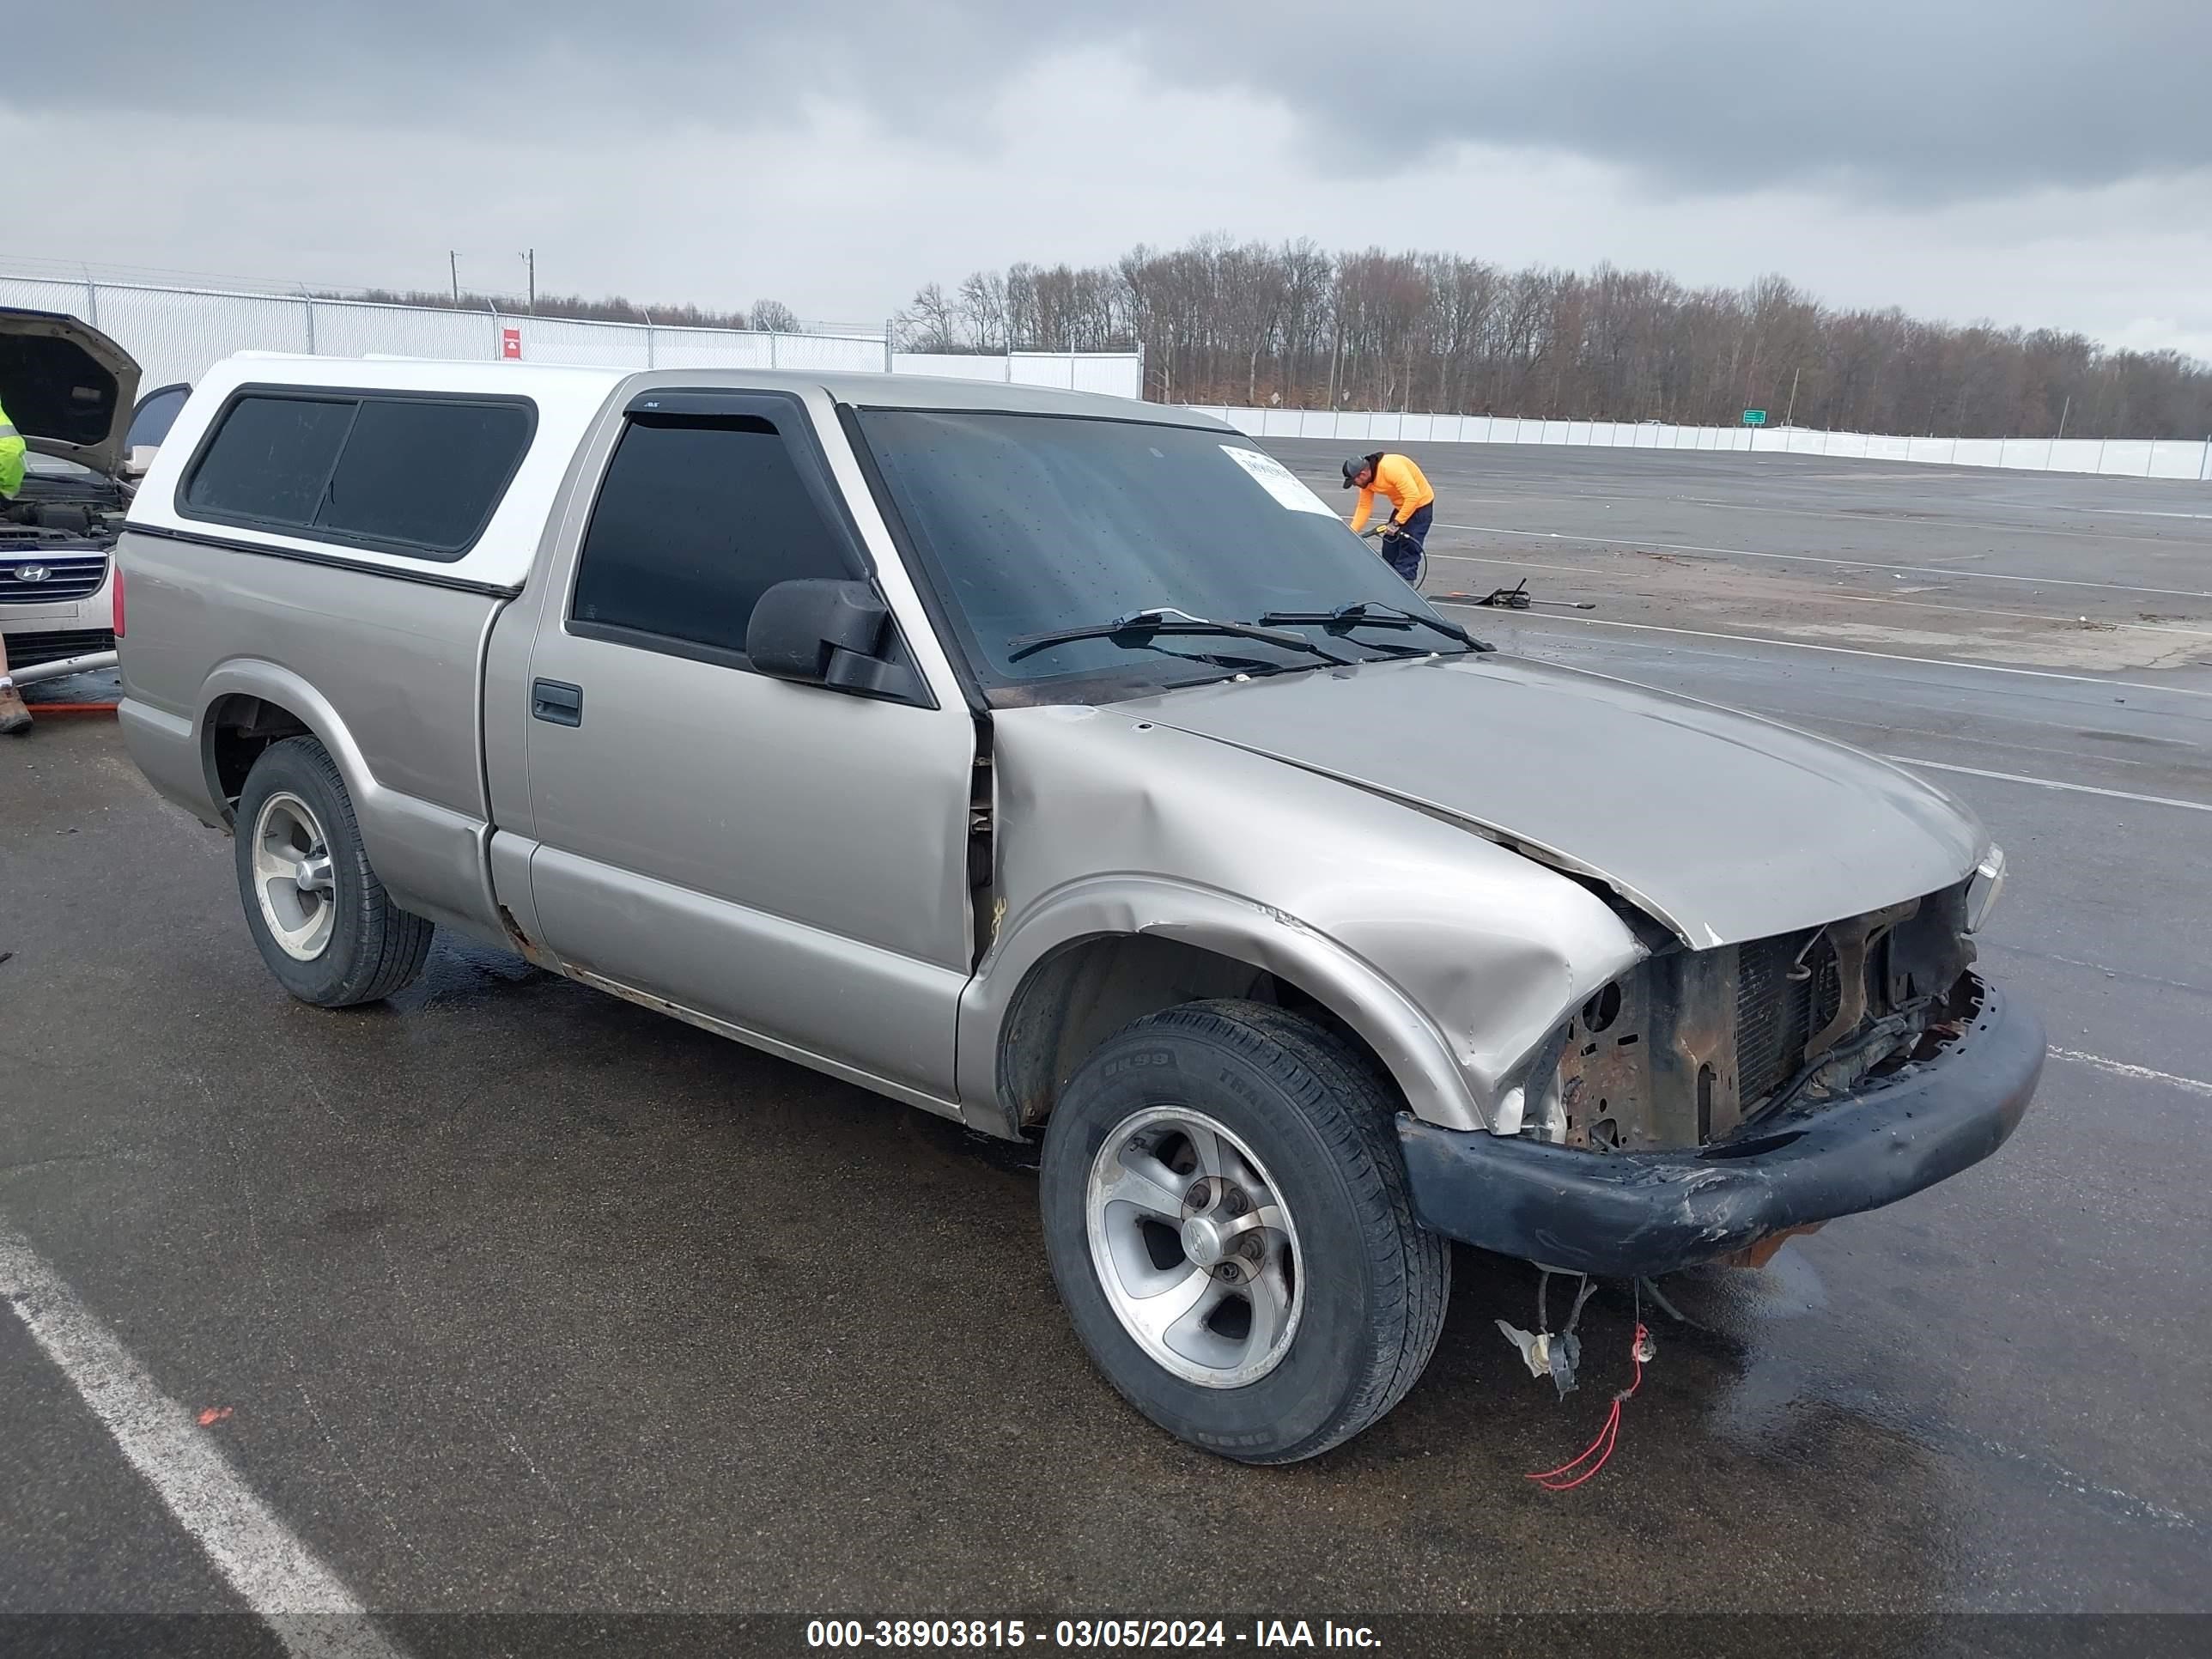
(510, 1297)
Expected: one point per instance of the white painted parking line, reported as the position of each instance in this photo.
(2053, 783)
(1852, 651)
(306, 1604)
(2138, 1074)
(1808, 558)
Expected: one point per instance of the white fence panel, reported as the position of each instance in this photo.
(835, 354)
(2164, 458)
(2172, 460)
(1114, 374)
(949, 365)
(2128, 456)
(1025, 369)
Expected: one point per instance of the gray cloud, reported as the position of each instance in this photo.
(1933, 100)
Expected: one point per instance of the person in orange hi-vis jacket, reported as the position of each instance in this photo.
(1412, 503)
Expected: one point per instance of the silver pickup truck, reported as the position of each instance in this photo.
(1065, 766)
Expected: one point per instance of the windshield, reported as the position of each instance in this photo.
(1033, 523)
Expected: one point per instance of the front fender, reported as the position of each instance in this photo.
(1409, 1043)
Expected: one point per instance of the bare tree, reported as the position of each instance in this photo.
(1221, 321)
(931, 323)
(984, 310)
(774, 317)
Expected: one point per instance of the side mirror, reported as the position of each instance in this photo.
(825, 632)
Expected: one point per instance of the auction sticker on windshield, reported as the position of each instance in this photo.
(1279, 481)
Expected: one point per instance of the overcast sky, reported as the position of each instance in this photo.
(2035, 161)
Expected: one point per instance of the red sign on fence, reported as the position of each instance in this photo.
(510, 343)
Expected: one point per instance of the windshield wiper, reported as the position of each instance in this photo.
(1163, 620)
(1376, 615)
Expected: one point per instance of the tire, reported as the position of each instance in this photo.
(333, 945)
(1302, 1125)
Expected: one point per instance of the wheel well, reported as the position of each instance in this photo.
(238, 728)
(1076, 999)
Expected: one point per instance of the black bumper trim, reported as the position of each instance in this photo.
(1627, 1214)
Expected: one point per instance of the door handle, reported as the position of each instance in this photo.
(557, 702)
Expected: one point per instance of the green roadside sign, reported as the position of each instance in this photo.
(1754, 417)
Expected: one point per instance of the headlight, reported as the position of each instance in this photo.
(1981, 891)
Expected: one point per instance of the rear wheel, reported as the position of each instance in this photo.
(319, 916)
(1226, 1214)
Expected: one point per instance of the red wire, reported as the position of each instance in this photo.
(1608, 1438)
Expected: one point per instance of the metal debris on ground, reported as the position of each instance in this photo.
(1516, 597)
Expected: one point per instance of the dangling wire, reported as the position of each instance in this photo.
(1566, 1477)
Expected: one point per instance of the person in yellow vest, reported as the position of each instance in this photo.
(15, 718)
(1412, 506)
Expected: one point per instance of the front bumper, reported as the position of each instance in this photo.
(1638, 1214)
(48, 630)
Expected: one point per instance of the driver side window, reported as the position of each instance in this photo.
(699, 515)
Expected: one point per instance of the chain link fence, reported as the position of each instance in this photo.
(1116, 374)
(177, 332)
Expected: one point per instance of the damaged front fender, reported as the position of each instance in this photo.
(1451, 957)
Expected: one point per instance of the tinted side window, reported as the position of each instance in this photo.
(427, 474)
(404, 474)
(699, 516)
(271, 459)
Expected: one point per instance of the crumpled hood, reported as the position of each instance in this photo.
(1720, 826)
(68, 389)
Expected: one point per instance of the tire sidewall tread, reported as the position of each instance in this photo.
(1319, 1115)
(375, 948)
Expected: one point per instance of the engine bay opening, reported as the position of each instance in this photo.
(1689, 1047)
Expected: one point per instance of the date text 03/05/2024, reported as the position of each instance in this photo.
(1086, 1633)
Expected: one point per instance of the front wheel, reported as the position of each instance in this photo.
(1226, 1215)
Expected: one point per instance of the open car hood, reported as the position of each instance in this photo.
(68, 388)
(1722, 827)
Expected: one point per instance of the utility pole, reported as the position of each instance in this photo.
(1792, 409)
(529, 258)
(2065, 410)
(454, 269)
